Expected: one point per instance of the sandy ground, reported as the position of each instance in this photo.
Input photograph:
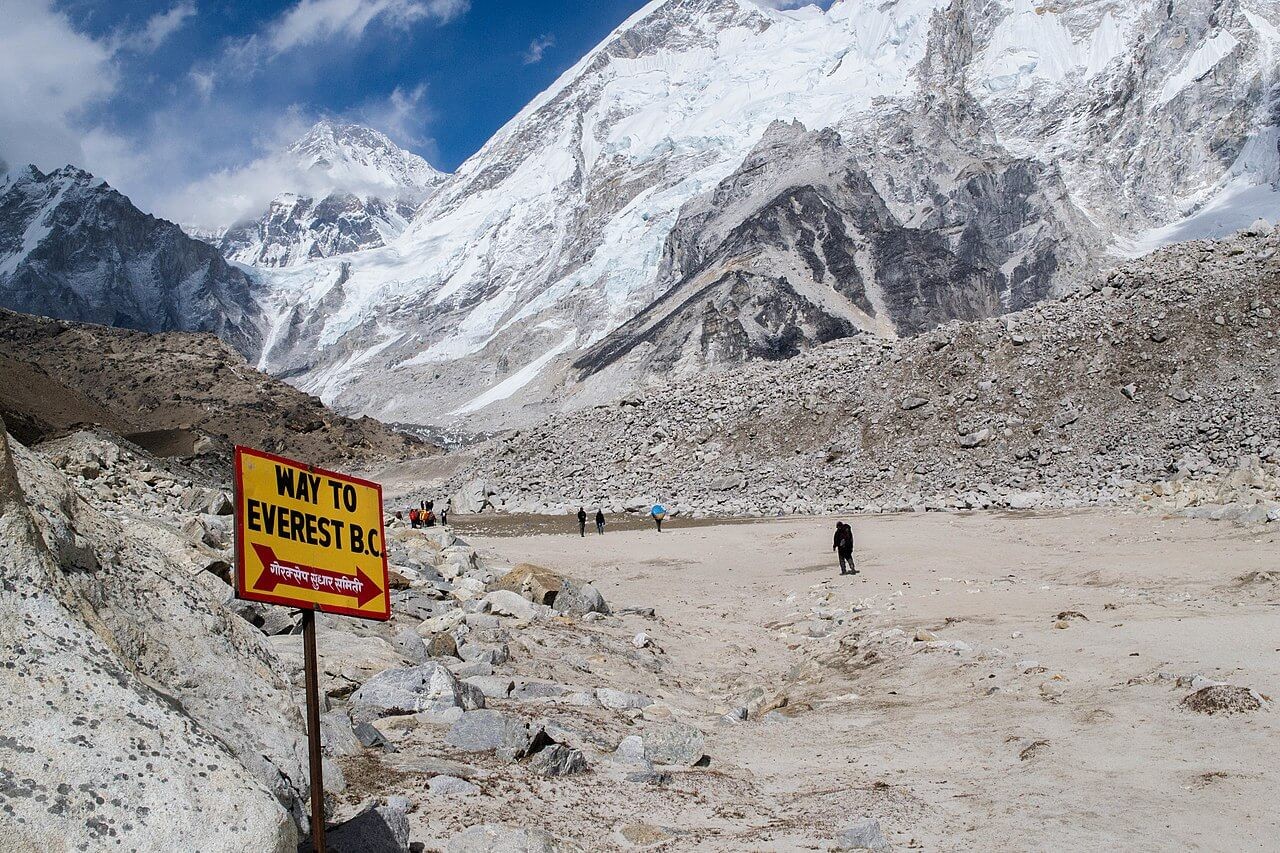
(1034, 737)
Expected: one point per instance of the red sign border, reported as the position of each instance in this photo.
(245, 594)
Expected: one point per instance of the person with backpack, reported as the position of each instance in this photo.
(658, 512)
(413, 518)
(600, 521)
(582, 522)
(843, 546)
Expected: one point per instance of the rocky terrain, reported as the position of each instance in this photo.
(627, 691)
(177, 394)
(1159, 379)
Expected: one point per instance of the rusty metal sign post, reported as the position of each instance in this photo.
(311, 539)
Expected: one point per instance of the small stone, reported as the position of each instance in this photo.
(451, 786)
(863, 834)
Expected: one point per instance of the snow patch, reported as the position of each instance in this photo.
(1198, 65)
(517, 380)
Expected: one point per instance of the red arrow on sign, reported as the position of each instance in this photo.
(276, 571)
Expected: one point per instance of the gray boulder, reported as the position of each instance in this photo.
(558, 760)
(429, 687)
(674, 743)
(375, 829)
(493, 654)
(492, 686)
(78, 709)
(445, 785)
(506, 735)
(579, 599)
(620, 700)
(497, 838)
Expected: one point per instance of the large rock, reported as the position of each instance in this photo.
(534, 582)
(168, 621)
(497, 838)
(77, 713)
(674, 743)
(506, 602)
(375, 829)
(429, 687)
(507, 735)
(578, 599)
(345, 660)
(558, 760)
(620, 700)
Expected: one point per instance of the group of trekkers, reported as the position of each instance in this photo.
(842, 544)
(424, 514)
(658, 512)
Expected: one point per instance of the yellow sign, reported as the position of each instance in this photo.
(309, 538)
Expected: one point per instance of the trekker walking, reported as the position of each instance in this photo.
(843, 546)
(582, 522)
(600, 522)
(444, 511)
(413, 518)
(658, 512)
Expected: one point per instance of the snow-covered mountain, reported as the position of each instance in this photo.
(72, 247)
(356, 189)
(953, 158)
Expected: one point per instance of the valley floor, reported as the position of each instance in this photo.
(938, 691)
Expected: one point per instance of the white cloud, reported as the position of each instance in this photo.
(158, 28)
(244, 191)
(49, 74)
(311, 21)
(533, 53)
(403, 115)
(203, 83)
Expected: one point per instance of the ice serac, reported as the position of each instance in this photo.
(73, 248)
(356, 189)
(957, 159)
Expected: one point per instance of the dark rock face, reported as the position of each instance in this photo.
(800, 246)
(73, 248)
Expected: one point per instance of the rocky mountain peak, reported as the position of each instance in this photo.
(356, 189)
(352, 155)
(72, 247)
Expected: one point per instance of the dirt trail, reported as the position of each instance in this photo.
(1012, 730)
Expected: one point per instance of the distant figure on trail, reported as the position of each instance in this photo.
(582, 522)
(413, 518)
(658, 512)
(843, 545)
(444, 511)
(600, 522)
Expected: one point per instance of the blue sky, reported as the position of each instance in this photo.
(162, 96)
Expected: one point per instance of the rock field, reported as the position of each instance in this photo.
(176, 393)
(1158, 383)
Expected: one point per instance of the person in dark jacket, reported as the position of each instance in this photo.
(843, 546)
(582, 522)
(600, 521)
